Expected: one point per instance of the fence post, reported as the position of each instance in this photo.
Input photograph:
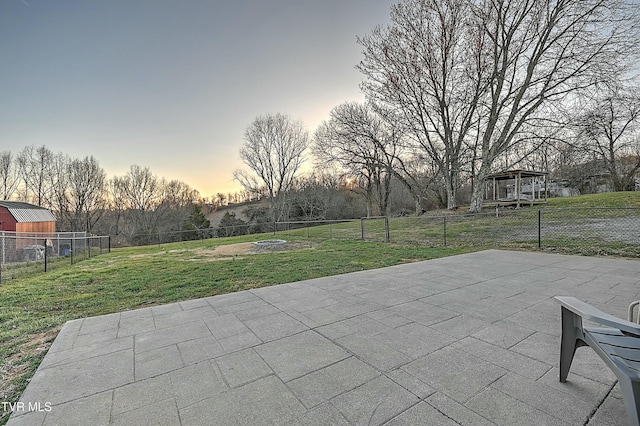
(45, 254)
(386, 229)
(445, 231)
(539, 228)
(72, 248)
(362, 228)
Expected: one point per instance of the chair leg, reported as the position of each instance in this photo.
(630, 312)
(631, 394)
(571, 340)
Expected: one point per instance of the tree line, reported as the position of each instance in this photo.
(82, 198)
(455, 90)
(459, 89)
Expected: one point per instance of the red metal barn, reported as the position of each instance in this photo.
(17, 216)
(24, 219)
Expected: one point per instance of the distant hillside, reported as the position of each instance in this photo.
(215, 216)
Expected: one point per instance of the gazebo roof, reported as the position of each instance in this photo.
(512, 174)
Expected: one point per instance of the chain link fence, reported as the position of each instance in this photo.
(319, 229)
(22, 253)
(589, 231)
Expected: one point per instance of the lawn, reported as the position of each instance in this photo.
(597, 224)
(606, 199)
(34, 305)
(34, 308)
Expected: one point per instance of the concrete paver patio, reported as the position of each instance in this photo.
(470, 339)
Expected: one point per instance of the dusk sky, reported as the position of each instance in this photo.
(173, 84)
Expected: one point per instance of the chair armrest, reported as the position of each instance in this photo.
(591, 313)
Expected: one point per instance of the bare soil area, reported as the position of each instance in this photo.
(234, 251)
(243, 249)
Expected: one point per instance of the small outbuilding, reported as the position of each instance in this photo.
(17, 216)
(516, 188)
(23, 229)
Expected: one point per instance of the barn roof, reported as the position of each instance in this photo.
(25, 212)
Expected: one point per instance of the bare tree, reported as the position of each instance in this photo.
(58, 197)
(178, 200)
(608, 131)
(311, 196)
(545, 52)
(177, 194)
(9, 178)
(87, 187)
(118, 203)
(274, 151)
(476, 73)
(364, 147)
(140, 194)
(418, 69)
(220, 199)
(35, 168)
(148, 208)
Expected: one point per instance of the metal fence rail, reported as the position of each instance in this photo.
(586, 231)
(23, 251)
(324, 229)
(614, 231)
(574, 230)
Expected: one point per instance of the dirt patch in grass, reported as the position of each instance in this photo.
(231, 251)
(228, 250)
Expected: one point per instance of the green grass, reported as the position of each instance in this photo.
(607, 199)
(34, 305)
(34, 308)
(588, 225)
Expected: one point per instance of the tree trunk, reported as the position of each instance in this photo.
(477, 197)
(451, 183)
(451, 197)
